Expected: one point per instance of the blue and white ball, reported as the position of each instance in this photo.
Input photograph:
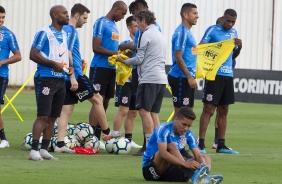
(122, 146)
(26, 145)
(109, 145)
(93, 143)
(83, 132)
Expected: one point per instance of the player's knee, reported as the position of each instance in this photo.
(171, 147)
(209, 109)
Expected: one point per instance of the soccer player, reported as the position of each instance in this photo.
(105, 44)
(150, 61)
(8, 43)
(85, 90)
(50, 51)
(163, 161)
(125, 96)
(220, 92)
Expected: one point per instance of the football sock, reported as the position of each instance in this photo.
(215, 135)
(144, 141)
(45, 144)
(128, 136)
(94, 128)
(98, 131)
(2, 134)
(34, 145)
(107, 131)
(221, 143)
(147, 136)
(201, 143)
(60, 144)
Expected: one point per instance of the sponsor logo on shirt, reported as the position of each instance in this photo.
(115, 36)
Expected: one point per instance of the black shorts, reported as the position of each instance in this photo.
(173, 174)
(50, 94)
(150, 97)
(104, 80)
(85, 91)
(125, 96)
(134, 81)
(3, 83)
(182, 93)
(219, 92)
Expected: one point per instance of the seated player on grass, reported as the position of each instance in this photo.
(163, 161)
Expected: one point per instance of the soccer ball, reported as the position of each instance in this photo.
(93, 143)
(84, 132)
(109, 145)
(53, 142)
(70, 129)
(26, 145)
(55, 131)
(69, 143)
(122, 146)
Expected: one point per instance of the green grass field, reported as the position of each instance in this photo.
(253, 129)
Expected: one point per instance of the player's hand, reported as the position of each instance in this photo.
(57, 66)
(192, 164)
(238, 42)
(192, 83)
(120, 59)
(74, 83)
(69, 70)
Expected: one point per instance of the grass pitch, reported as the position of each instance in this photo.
(253, 129)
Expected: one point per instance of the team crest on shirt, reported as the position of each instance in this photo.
(209, 97)
(182, 142)
(174, 98)
(1, 36)
(97, 87)
(46, 91)
(185, 101)
(124, 100)
(232, 35)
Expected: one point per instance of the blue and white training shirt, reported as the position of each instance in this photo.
(183, 40)
(165, 133)
(8, 43)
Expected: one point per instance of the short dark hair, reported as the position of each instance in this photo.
(79, 8)
(230, 12)
(2, 9)
(142, 2)
(186, 8)
(147, 15)
(129, 20)
(185, 112)
(132, 7)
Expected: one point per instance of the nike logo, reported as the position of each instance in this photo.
(60, 55)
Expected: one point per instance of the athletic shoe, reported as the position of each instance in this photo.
(211, 179)
(4, 144)
(34, 155)
(199, 174)
(102, 145)
(226, 150)
(214, 146)
(134, 145)
(63, 149)
(202, 151)
(112, 134)
(140, 152)
(46, 155)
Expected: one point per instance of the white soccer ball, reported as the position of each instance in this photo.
(109, 145)
(122, 146)
(70, 129)
(84, 132)
(93, 143)
(53, 142)
(26, 145)
(69, 142)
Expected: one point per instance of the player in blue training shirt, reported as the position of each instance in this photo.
(105, 44)
(220, 92)
(162, 160)
(50, 51)
(8, 43)
(85, 89)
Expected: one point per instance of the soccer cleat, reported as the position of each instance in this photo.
(199, 174)
(4, 144)
(140, 152)
(112, 134)
(134, 145)
(202, 151)
(46, 155)
(63, 149)
(211, 179)
(226, 150)
(102, 145)
(34, 155)
(214, 146)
